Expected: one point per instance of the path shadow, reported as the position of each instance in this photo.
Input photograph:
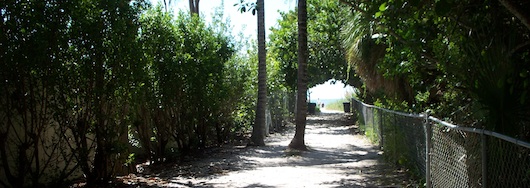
(360, 165)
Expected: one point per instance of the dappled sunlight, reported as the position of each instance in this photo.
(336, 158)
(356, 152)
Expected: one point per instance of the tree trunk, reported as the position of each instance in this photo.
(259, 124)
(194, 7)
(99, 170)
(517, 12)
(166, 4)
(298, 142)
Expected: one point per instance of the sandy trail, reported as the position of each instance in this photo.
(337, 158)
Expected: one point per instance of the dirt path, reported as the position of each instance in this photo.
(337, 158)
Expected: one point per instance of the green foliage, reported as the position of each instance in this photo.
(87, 81)
(66, 88)
(278, 95)
(31, 56)
(464, 60)
(243, 6)
(242, 69)
(196, 83)
(104, 53)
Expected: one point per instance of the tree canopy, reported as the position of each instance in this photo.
(466, 60)
(91, 87)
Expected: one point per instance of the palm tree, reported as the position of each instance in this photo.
(298, 142)
(167, 3)
(258, 131)
(194, 7)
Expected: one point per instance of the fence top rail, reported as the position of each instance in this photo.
(452, 126)
(482, 131)
(391, 111)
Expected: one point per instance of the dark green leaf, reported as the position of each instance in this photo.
(442, 7)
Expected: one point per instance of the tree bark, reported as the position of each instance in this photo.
(258, 130)
(166, 4)
(520, 14)
(194, 7)
(298, 142)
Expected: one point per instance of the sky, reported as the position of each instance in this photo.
(241, 22)
(246, 23)
(328, 91)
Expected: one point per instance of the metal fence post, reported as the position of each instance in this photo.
(484, 159)
(394, 142)
(381, 133)
(428, 130)
(373, 120)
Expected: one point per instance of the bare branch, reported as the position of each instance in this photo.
(518, 47)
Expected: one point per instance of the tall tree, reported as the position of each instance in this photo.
(167, 3)
(301, 101)
(258, 129)
(326, 57)
(194, 7)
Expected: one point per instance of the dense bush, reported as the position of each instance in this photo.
(192, 85)
(68, 71)
(89, 85)
(464, 60)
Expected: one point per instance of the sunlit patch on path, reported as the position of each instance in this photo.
(337, 158)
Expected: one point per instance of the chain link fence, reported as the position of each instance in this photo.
(457, 156)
